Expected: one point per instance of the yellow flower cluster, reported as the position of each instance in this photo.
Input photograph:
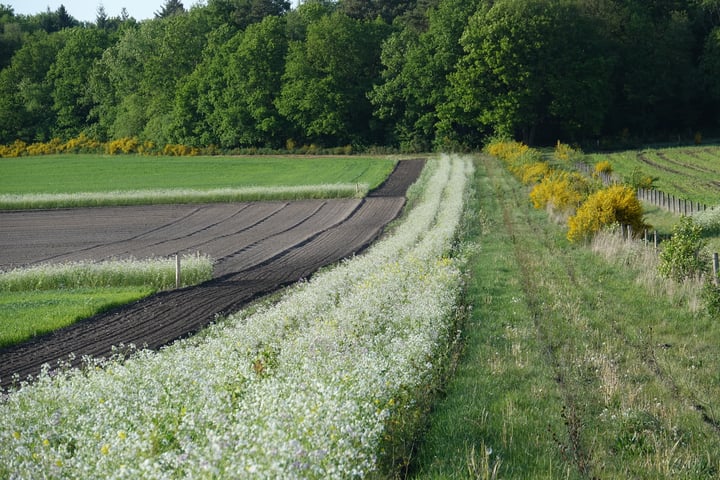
(561, 190)
(615, 204)
(564, 191)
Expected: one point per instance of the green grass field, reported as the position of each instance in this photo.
(571, 367)
(93, 173)
(691, 173)
(26, 314)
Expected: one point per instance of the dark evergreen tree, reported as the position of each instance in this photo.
(170, 8)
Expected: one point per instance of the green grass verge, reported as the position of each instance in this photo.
(571, 369)
(26, 314)
(43, 298)
(686, 172)
(82, 180)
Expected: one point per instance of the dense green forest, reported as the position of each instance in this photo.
(410, 74)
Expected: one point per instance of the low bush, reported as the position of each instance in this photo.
(683, 256)
(603, 167)
(615, 204)
(561, 191)
(708, 220)
(566, 154)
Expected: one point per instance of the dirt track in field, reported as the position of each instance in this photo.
(259, 248)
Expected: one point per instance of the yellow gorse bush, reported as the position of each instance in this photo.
(566, 153)
(561, 190)
(533, 172)
(615, 204)
(603, 167)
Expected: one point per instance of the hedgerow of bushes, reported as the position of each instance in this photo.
(132, 145)
(590, 206)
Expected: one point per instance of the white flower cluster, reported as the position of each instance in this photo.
(303, 388)
(153, 272)
(136, 197)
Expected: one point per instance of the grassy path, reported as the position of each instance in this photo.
(570, 370)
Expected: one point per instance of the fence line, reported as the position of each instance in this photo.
(653, 239)
(660, 199)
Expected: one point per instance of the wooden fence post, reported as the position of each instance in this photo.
(655, 239)
(178, 276)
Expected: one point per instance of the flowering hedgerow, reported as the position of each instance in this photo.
(308, 387)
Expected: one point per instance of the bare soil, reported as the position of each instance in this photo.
(259, 247)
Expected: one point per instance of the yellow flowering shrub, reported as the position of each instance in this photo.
(615, 204)
(603, 166)
(533, 172)
(16, 149)
(507, 151)
(180, 150)
(122, 145)
(565, 153)
(561, 190)
(82, 144)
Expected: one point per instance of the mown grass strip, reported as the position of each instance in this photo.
(501, 416)
(598, 378)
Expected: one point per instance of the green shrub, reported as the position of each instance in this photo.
(711, 297)
(684, 255)
(708, 220)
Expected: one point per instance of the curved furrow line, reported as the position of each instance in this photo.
(106, 247)
(260, 253)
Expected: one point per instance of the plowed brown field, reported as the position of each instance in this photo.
(259, 247)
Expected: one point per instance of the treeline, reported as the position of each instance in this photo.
(410, 74)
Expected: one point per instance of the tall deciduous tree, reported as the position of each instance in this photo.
(327, 79)
(530, 65)
(134, 83)
(417, 64)
(26, 93)
(229, 99)
(68, 76)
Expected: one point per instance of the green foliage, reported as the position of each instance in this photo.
(327, 79)
(440, 74)
(639, 179)
(684, 255)
(529, 62)
(710, 296)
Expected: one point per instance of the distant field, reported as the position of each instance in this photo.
(99, 173)
(692, 173)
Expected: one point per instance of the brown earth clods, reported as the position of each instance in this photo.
(259, 247)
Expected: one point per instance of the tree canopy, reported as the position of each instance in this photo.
(410, 74)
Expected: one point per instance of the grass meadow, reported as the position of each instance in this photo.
(90, 180)
(39, 299)
(575, 364)
(690, 173)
